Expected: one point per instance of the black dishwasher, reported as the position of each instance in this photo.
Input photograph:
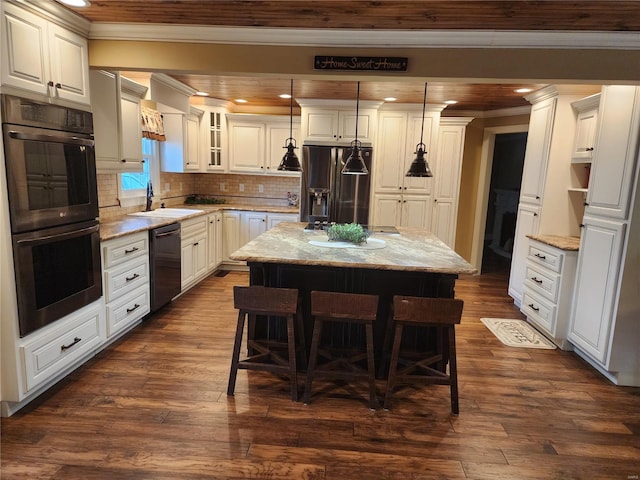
(165, 264)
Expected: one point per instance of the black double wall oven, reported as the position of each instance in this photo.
(53, 205)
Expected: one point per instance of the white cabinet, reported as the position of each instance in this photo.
(527, 223)
(213, 136)
(115, 103)
(595, 290)
(231, 231)
(586, 122)
(274, 219)
(181, 150)
(193, 242)
(402, 210)
(214, 241)
(41, 57)
(252, 225)
(256, 141)
(331, 122)
(616, 151)
(125, 265)
(537, 151)
(548, 290)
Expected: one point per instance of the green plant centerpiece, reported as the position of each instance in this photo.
(347, 232)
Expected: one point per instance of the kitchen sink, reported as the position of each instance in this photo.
(168, 212)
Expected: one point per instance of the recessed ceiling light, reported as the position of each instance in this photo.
(202, 94)
(450, 102)
(390, 99)
(240, 100)
(76, 3)
(284, 95)
(523, 90)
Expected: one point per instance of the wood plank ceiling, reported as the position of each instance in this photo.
(560, 15)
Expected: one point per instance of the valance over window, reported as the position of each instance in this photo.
(152, 125)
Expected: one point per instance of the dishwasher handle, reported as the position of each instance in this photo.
(167, 234)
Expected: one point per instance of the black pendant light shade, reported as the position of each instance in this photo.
(419, 167)
(355, 163)
(290, 162)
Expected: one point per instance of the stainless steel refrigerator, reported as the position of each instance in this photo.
(326, 194)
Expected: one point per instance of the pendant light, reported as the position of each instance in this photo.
(419, 167)
(290, 162)
(355, 163)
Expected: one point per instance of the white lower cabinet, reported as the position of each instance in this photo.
(402, 210)
(125, 267)
(193, 250)
(548, 290)
(596, 287)
(214, 241)
(231, 221)
(49, 352)
(274, 219)
(527, 224)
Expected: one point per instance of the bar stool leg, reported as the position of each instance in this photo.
(236, 353)
(313, 359)
(292, 358)
(393, 365)
(373, 401)
(453, 371)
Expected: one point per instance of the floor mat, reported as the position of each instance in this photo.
(517, 333)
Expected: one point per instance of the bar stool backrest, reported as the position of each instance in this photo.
(436, 311)
(344, 305)
(272, 301)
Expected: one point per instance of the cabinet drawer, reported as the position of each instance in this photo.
(542, 281)
(127, 310)
(544, 256)
(193, 226)
(124, 249)
(50, 353)
(125, 278)
(540, 311)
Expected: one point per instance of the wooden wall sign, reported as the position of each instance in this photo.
(383, 64)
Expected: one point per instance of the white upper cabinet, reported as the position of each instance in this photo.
(537, 152)
(586, 122)
(115, 103)
(181, 151)
(331, 122)
(41, 57)
(213, 135)
(615, 153)
(256, 141)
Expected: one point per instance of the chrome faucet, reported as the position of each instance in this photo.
(149, 196)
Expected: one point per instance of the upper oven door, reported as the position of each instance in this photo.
(51, 177)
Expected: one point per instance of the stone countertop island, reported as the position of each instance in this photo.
(412, 262)
(412, 249)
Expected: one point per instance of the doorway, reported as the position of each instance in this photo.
(484, 189)
(502, 205)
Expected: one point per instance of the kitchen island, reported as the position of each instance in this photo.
(412, 262)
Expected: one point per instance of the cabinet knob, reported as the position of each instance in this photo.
(335, 136)
(268, 168)
(50, 83)
(537, 197)
(589, 149)
(405, 188)
(58, 85)
(582, 225)
(399, 201)
(399, 188)
(586, 204)
(535, 214)
(404, 201)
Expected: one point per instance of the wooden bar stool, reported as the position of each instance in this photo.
(342, 363)
(269, 355)
(425, 367)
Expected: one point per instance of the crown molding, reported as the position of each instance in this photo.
(586, 103)
(322, 103)
(57, 14)
(455, 121)
(411, 107)
(366, 38)
(500, 112)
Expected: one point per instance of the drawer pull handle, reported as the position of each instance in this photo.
(135, 307)
(541, 257)
(127, 252)
(536, 280)
(196, 244)
(133, 277)
(67, 347)
(534, 308)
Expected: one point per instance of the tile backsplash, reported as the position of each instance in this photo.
(234, 189)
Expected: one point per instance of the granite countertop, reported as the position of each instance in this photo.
(563, 242)
(412, 249)
(128, 224)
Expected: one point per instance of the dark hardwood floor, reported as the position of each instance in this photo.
(154, 406)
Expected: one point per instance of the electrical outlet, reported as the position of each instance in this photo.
(260, 188)
(241, 187)
(167, 187)
(223, 187)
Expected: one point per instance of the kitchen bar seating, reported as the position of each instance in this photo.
(271, 355)
(342, 362)
(409, 366)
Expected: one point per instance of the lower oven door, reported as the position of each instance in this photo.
(57, 272)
